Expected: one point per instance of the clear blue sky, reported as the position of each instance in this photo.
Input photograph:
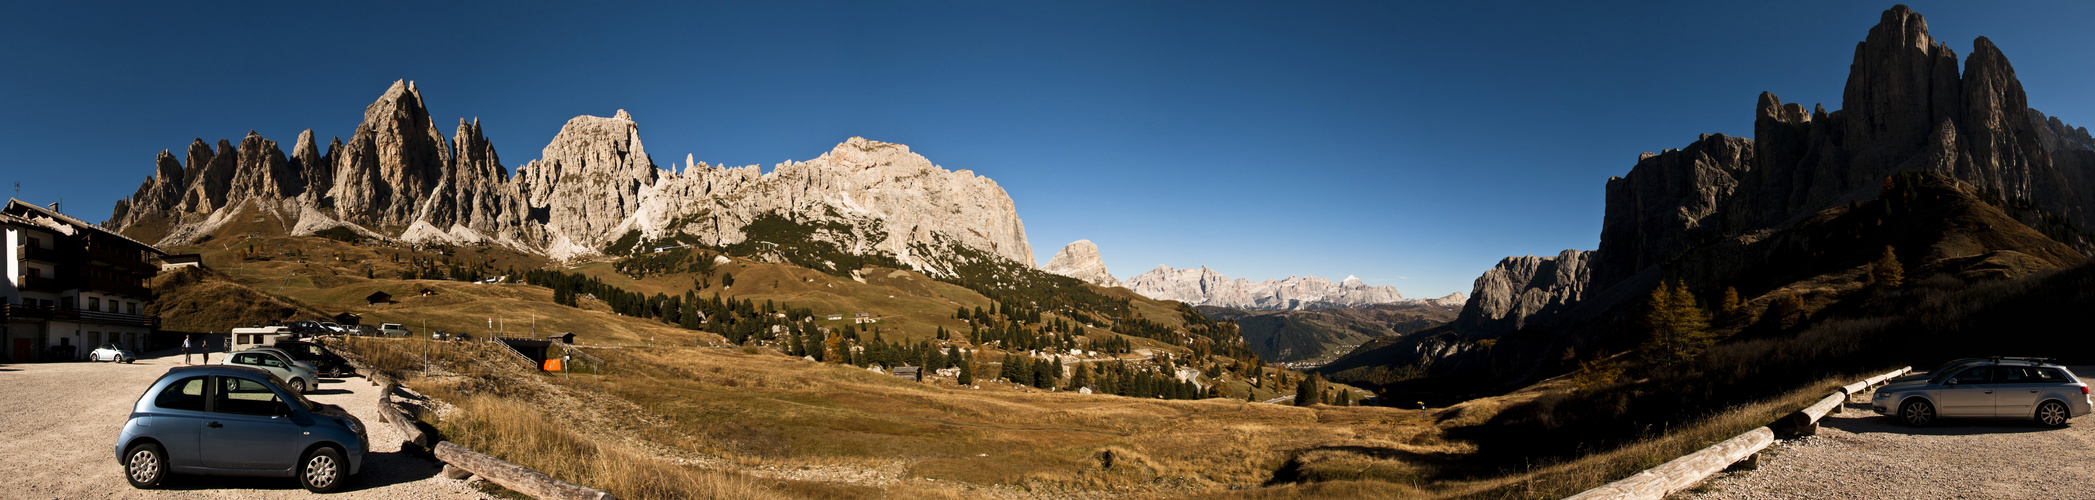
(1411, 143)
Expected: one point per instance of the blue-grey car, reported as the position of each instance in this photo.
(226, 420)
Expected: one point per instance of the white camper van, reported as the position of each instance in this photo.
(259, 336)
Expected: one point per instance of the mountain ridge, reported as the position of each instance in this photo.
(397, 178)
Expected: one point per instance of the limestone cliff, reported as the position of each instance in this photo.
(398, 178)
(1080, 260)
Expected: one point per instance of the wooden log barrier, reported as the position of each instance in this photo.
(1685, 471)
(516, 478)
(409, 432)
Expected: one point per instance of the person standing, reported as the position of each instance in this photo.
(185, 347)
(203, 346)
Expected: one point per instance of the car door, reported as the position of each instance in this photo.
(2017, 392)
(1971, 396)
(249, 427)
(178, 421)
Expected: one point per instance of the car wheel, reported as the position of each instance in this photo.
(321, 471)
(1917, 413)
(2053, 413)
(298, 386)
(145, 465)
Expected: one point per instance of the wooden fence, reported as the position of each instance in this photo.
(1684, 472)
(461, 462)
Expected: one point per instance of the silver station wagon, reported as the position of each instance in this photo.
(225, 420)
(2006, 388)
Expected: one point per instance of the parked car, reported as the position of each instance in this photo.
(395, 330)
(327, 361)
(2014, 388)
(308, 328)
(237, 421)
(297, 378)
(110, 352)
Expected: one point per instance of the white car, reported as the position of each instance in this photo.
(296, 378)
(110, 352)
(2011, 388)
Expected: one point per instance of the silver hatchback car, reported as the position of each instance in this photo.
(2011, 388)
(226, 420)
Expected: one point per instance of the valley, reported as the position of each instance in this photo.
(866, 323)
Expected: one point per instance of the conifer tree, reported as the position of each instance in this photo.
(1306, 392)
(1730, 306)
(1886, 271)
(1679, 328)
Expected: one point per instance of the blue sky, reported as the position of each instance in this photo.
(1412, 144)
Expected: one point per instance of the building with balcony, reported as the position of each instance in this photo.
(71, 286)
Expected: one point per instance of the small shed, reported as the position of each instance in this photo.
(379, 298)
(172, 262)
(428, 292)
(564, 338)
(349, 319)
(909, 372)
(834, 317)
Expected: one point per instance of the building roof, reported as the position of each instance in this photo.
(15, 206)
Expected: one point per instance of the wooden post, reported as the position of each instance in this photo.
(519, 479)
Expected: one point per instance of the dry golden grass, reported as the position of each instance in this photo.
(1558, 480)
(671, 420)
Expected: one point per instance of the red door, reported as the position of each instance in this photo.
(21, 350)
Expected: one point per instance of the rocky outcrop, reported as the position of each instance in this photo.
(1523, 291)
(1080, 260)
(393, 160)
(1205, 287)
(1667, 202)
(398, 178)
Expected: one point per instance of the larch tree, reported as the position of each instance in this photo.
(1679, 328)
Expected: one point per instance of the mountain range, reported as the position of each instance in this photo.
(594, 187)
(1954, 173)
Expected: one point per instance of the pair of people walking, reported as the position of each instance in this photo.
(191, 343)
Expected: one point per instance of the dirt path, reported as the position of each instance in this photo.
(59, 421)
(1859, 454)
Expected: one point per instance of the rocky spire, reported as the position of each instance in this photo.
(263, 172)
(312, 167)
(1900, 86)
(395, 158)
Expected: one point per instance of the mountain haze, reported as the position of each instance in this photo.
(1206, 287)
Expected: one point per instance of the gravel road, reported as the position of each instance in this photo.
(59, 421)
(1859, 454)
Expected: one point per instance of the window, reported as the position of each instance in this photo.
(36, 273)
(2047, 375)
(132, 307)
(185, 394)
(245, 397)
(245, 359)
(36, 243)
(94, 304)
(1975, 375)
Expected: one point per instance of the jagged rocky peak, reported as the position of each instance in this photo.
(1206, 287)
(395, 158)
(397, 177)
(1081, 260)
(1522, 291)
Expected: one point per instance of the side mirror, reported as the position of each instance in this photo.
(1950, 382)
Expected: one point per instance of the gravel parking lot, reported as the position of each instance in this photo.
(59, 422)
(1859, 454)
